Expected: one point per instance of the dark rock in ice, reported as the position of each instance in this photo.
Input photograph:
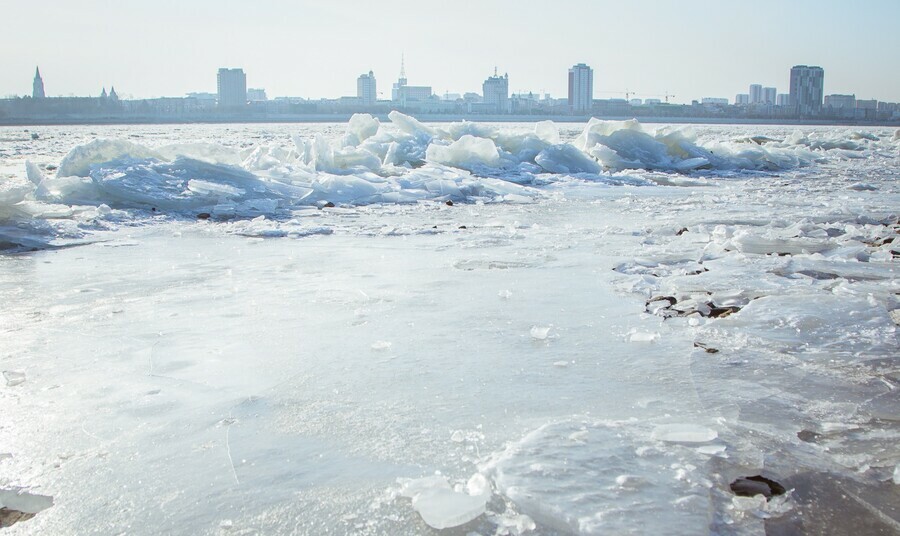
(449, 203)
(203, 216)
(328, 204)
(35, 135)
(463, 227)
(9, 517)
(721, 312)
(750, 486)
(50, 167)
(808, 436)
(819, 275)
(709, 350)
(17, 505)
(681, 231)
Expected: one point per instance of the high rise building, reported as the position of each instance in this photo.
(232, 86)
(496, 91)
(742, 99)
(770, 95)
(756, 94)
(807, 88)
(365, 89)
(581, 88)
(783, 99)
(37, 88)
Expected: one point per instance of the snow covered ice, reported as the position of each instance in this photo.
(405, 328)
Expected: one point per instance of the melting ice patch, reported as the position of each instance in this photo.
(607, 478)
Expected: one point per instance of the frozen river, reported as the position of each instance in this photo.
(413, 329)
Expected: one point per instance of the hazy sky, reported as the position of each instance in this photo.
(688, 48)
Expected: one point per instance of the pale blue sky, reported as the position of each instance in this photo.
(690, 48)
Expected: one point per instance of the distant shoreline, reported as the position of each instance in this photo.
(429, 118)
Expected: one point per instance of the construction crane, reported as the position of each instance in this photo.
(628, 94)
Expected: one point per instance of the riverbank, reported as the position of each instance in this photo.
(427, 118)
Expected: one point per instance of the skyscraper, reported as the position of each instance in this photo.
(496, 91)
(807, 88)
(581, 88)
(770, 95)
(756, 94)
(232, 86)
(37, 88)
(365, 89)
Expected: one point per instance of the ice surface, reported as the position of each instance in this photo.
(263, 327)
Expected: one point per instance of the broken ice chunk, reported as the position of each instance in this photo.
(13, 378)
(642, 336)
(684, 433)
(712, 450)
(479, 486)
(540, 333)
(381, 345)
(630, 482)
(442, 508)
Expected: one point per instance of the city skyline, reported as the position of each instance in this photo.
(692, 50)
(367, 94)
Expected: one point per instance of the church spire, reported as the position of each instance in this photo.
(37, 88)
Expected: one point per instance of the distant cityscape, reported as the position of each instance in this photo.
(235, 101)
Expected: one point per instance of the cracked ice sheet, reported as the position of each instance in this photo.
(198, 375)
